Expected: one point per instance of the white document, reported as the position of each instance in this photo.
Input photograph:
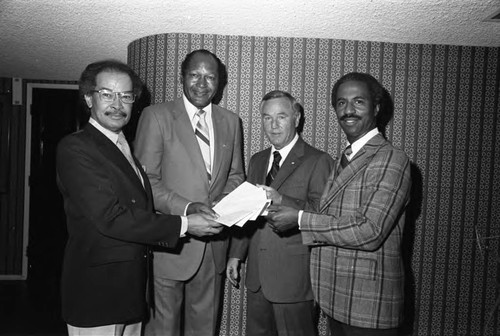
(244, 203)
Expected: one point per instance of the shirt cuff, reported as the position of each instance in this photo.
(300, 217)
(184, 226)
(186, 208)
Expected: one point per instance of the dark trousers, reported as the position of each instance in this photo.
(341, 329)
(265, 318)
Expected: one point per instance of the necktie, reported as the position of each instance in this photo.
(125, 149)
(203, 137)
(274, 168)
(344, 161)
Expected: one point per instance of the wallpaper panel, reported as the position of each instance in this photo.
(446, 119)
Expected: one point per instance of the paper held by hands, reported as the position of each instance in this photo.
(244, 203)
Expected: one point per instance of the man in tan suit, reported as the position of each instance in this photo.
(192, 152)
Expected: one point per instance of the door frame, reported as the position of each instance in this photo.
(27, 172)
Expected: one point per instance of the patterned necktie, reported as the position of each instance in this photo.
(125, 149)
(274, 168)
(344, 161)
(203, 137)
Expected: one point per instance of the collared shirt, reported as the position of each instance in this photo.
(113, 137)
(358, 144)
(283, 152)
(191, 111)
(109, 134)
(355, 146)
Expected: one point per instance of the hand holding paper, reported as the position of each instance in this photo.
(244, 203)
(271, 194)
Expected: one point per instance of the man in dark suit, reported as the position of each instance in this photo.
(109, 207)
(192, 151)
(356, 262)
(279, 296)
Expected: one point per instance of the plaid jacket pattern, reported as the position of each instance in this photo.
(356, 263)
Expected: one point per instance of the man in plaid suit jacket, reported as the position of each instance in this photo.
(357, 268)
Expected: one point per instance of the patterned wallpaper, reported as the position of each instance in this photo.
(447, 119)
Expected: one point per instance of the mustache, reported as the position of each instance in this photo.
(350, 116)
(120, 112)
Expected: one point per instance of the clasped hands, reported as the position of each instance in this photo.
(202, 220)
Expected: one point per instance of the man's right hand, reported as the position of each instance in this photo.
(196, 207)
(202, 224)
(233, 271)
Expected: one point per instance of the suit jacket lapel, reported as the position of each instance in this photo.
(185, 133)
(220, 133)
(360, 160)
(261, 162)
(116, 157)
(292, 161)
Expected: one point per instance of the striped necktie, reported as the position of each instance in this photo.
(203, 137)
(274, 168)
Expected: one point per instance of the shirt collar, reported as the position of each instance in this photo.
(109, 134)
(285, 150)
(191, 109)
(358, 144)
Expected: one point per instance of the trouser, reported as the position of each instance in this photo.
(107, 330)
(200, 297)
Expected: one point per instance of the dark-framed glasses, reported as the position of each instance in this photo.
(109, 96)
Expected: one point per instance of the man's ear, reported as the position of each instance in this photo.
(376, 109)
(88, 100)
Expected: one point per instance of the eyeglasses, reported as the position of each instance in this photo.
(110, 96)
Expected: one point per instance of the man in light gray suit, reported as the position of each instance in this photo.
(192, 152)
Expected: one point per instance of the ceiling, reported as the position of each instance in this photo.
(56, 39)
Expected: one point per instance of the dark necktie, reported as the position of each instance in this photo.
(274, 168)
(344, 161)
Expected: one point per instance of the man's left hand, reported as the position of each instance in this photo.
(218, 199)
(282, 218)
(198, 207)
(272, 194)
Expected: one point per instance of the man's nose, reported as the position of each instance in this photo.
(202, 81)
(350, 108)
(117, 102)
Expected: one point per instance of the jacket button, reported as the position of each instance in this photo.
(133, 200)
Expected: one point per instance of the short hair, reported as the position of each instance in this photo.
(187, 60)
(378, 94)
(374, 87)
(296, 107)
(87, 81)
